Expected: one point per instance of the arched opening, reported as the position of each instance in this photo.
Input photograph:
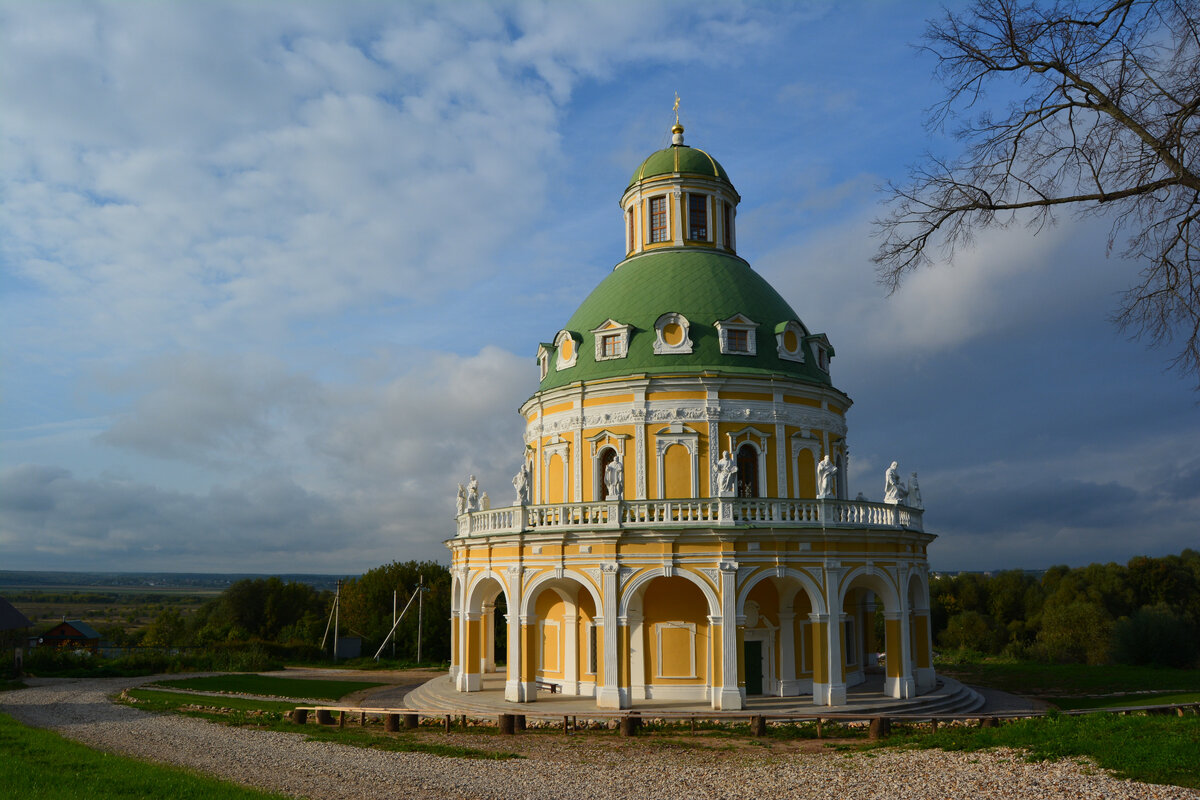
(865, 591)
(561, 639)
(747, 471)
(670, 648)
(761, 645)
(481, 633)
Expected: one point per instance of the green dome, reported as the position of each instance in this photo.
(704, 286)
(682, 159)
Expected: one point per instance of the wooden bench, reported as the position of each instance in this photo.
(546, 686)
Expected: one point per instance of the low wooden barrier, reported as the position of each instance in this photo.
(628, 723)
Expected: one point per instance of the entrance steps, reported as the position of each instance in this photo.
(948, 698)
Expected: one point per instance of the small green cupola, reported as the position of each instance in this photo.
(679, 197)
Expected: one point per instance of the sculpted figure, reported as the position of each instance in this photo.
(894, 491)
(914, 493)
(484, 503)
(726, 476)
(520, 482)
(825, 472)
(614, 479)
(461, 500)
(472, 494)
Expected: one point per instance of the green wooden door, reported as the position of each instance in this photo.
(753, 652)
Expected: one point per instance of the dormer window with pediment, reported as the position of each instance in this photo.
(789, 340)
(672, 334)
(567, 345)
(738, 335)
(612, 340)
(543, 359)
(822, 350)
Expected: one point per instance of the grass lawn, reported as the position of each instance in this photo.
(44, 765)
(172, 702)
(1153, 749)
(271, 686)
(1054, 680)
(1125, 700)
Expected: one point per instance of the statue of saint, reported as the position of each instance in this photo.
(894, 492)
(614, 479)
(825, 472)
(914, 493)
(726, 476)
(484, 503)
(472, 494)
(520, 482)
(462, 500)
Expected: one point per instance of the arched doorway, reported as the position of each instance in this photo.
(670, 641)
(485, 612)
(747, 471)
(560, 641)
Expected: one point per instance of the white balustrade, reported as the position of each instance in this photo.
(634, 514)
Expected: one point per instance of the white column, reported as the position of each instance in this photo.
(514, 690)
(470, 681)
(608, 694)
(637, 656)
(528, 689)
(789, 685)
(780, 453)
(833, 636)
(488, 633)
(680, 220)
(730, 695)
(571, 653)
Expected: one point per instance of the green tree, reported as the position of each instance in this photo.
(1077, 632)
(167, 630)
(1156, 635)
(366, 608)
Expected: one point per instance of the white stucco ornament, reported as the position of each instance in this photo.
(825, 472)
(894, 492)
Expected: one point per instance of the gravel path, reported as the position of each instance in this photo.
(566, 767)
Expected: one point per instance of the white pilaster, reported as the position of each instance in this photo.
(729, 696)
(789, 685)
(608, 693)
(571, 653)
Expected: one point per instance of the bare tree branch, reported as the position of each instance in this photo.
(1111, 125)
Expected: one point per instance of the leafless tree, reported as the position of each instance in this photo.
(1109, 124)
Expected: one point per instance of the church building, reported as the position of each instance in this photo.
(682, 528)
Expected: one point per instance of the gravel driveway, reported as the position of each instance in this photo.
(556, 767)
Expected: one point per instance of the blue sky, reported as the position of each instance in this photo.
(272, 276)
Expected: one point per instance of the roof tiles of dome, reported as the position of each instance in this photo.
(705, 287)
(682, 160)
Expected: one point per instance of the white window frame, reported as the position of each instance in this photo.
(738, 322)
(797, 355)
(610, 327)
(661, 347)
(562, 363)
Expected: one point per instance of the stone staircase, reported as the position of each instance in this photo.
(949, 698)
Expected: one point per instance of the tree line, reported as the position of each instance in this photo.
(1144, 612)
(291, 613)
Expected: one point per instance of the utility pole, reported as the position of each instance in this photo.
(337, 600)
(420, 610)
(393, 623)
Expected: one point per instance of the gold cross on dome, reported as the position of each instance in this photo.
(676, 108)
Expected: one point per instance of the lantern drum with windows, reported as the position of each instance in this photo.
(629, 575)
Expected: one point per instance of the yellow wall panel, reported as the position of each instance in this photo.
(677, 472)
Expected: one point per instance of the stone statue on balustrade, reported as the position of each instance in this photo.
(520, 482)
(914, 493)
(472, 494)
(614, 479)
(461, 502)
(894, 491)
(726, 471)
(825, 472)
(484, 503)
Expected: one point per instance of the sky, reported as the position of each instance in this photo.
(273, 275)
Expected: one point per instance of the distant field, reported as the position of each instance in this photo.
(130, 608)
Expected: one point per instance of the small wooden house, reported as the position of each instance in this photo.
(72, 633)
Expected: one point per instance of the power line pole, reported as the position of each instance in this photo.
(420, 611)
(337, 601)
(393, 623)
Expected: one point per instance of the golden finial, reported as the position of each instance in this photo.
(677, 130)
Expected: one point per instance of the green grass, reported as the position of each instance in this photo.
(1125, 700)
(271, 686)
(1049, 680)
(7, 685)
(1153, 749)
(173, 702)
(41, 764)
